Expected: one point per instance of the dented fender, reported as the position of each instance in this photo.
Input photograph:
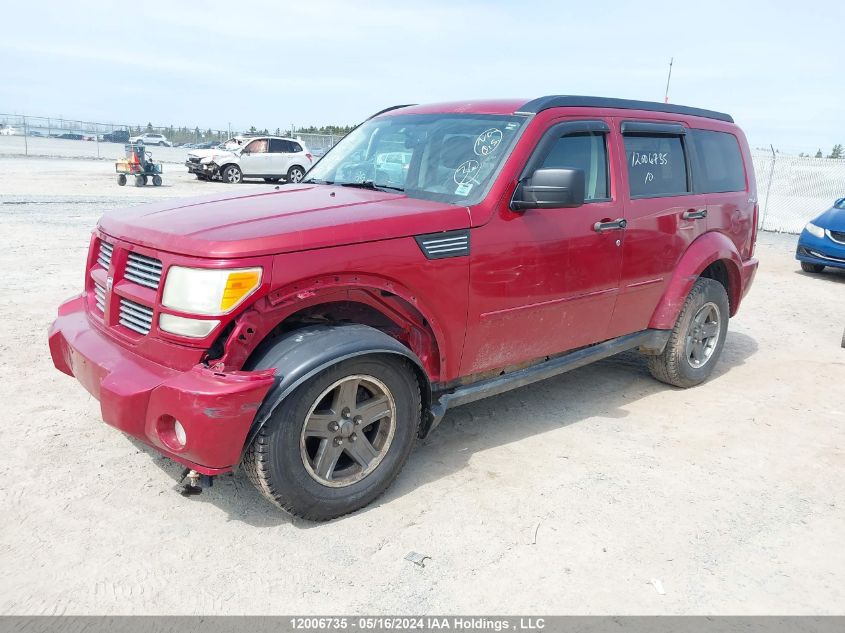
(304, 353)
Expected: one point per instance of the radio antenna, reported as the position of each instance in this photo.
(668, 79)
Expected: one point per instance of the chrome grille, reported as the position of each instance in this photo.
(836, 236)
(143, 270)
(100, 297)
(135, 316)
(104, 254)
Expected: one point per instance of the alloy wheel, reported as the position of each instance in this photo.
(348, 431)
(703, 335)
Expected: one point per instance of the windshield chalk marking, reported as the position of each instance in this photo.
(487, 142)
(466, 172)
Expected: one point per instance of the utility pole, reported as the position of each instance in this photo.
(668, 79)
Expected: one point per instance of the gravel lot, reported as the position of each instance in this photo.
(569, 496)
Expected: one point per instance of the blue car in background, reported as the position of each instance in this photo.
(822, 242)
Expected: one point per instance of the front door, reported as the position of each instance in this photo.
(544, 281)
(255, 158)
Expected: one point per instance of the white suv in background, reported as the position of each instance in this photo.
(269, 157)
(151, 139)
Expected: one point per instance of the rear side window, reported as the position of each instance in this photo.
(295, 147)
(586, 151)
(657, 165)
(719, 166)
(278, 146)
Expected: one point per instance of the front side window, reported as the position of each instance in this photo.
(258, 146)
(588, 152)
(657, 165)
(446, 157)
(719, 162)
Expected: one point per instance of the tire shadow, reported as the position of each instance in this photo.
(554, 403)
(835, 275)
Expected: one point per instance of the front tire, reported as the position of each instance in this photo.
(339, 440)
(807, 267)
(696, 341)
(121, 180)
(232, 175)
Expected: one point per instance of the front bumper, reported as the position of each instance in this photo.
(142, 398)
(820, 250)
(204, 169)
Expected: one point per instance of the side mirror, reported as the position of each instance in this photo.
(840, 204)
(550, 188)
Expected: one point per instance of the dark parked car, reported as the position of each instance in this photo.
(822, 242)
(117, 136)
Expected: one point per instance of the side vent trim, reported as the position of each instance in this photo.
(445, 244)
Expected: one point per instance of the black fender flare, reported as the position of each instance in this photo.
(303, 353)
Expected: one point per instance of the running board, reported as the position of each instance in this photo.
(652, 340)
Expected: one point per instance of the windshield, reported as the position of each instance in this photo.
(231, 144)
(445, 157)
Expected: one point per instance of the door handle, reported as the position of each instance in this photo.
(693, 214)
(615, 225)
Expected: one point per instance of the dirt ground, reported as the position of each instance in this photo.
(580, 494)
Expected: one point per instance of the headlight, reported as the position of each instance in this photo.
(207, 291)
(812, 229)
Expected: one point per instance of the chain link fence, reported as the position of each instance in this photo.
(792, 190)
(23, 134)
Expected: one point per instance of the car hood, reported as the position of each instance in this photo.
(286, 219)
(833, 219)
(206, 153)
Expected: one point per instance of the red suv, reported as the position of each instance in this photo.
(437, 255)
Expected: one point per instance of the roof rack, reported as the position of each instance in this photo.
(562, 101)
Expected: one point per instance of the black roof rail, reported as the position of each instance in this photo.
(396, 107)
(562, 101)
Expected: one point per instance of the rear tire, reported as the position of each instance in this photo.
(232, 175)
(295, 174)
(696, 341)
(807, 267)
(157, 181)
(140, 181)
(306, 458)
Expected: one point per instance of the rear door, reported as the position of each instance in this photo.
(663, 213)
(280, 154)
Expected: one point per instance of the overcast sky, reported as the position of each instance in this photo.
(777, 67)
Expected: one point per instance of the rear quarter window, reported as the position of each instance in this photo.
(719, 165)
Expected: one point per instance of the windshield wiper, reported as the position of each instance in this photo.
(316, 181)
(369, 184)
